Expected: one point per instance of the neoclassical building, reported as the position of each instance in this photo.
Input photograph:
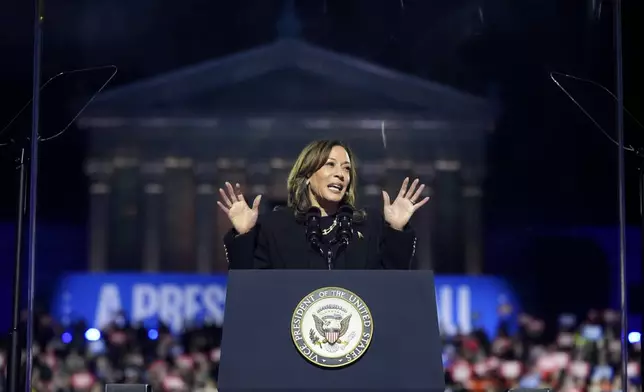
(160, 148)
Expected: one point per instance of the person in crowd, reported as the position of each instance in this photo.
(322, 227)
(568, 357)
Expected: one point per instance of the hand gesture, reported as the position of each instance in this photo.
(234, 205)
(398, 213)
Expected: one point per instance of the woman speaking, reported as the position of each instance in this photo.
(321, 228)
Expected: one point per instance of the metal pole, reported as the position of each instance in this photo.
(33, 189)
(15, 359)
(617, 25)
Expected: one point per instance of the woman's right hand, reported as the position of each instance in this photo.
(234, 205)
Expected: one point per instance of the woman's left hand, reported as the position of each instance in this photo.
(398, 213)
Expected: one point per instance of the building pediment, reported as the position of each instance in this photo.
(289, 76)
(290, 90)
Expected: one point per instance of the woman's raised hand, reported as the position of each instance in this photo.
(398, 213)
(234, 205)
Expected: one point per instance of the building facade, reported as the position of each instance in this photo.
(159, 149)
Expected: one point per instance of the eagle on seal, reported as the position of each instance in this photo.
(332, 329)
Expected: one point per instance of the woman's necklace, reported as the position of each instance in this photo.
(330, 228)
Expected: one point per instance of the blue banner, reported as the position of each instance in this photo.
(464, 302)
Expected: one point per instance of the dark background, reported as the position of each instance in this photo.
(549, 166)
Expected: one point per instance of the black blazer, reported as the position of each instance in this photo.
(278, 242)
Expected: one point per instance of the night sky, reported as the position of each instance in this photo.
(547, 162)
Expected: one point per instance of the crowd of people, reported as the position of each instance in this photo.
(583, 356)
(570, 356)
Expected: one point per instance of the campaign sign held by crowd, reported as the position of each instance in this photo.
(464, 303)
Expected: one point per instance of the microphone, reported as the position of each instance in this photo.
(313, 231)
(345, 218)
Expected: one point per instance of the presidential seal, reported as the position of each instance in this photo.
(332, 327)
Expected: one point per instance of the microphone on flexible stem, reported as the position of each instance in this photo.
(345, 219)
(313, 231)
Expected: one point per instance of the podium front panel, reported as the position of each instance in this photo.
(258, 352)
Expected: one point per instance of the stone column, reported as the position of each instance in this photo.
(206, 210)
(258, 177)
(124, 249)
(447, 218)
(179, 196)
(277, 187)
(370, 183)
(152, 176)
(99, 173)
(472, 195)
(424, 218)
